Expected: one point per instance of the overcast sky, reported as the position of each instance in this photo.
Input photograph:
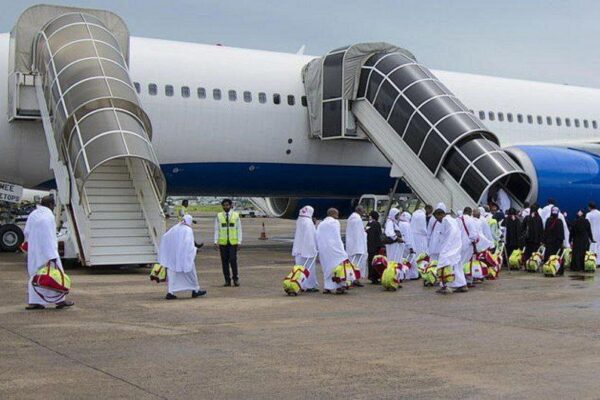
(553, 41)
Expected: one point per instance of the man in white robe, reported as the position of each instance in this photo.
(331, 249)
(408, 246)
(469, 234)
(356, 242)
(545, 214)
(450, 252)
(393, 250)
(483, 231)
(503, 200)
(304, 249)
(593, 216)
(418, 230)
(434, 232)
(42, 247)
(485, 226)
(177, 253)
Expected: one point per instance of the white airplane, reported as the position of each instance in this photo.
(235, 121)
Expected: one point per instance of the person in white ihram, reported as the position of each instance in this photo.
(304, 249)
(331, 250)
(469, 233)
(434, 232)
(418, 230)
(40, 234)
(450, 252)
(594, 217)
(393, 249)
(408, 247)
(356, 242)
(177, 253)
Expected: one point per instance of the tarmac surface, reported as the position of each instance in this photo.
(520, 337)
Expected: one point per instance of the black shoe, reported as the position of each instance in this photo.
(227, 284)
(312, 290)
(35, 307)
(170, 296)
(64, 304)
(236, 283)
(357, 284)
(198, 293)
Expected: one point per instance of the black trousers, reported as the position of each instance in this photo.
(229, 258)
(373, 276)
(530, 248)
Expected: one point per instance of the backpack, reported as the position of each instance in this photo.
(292, 283)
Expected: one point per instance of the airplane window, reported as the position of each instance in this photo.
(262, 97)
(558, 121)
(549, 120)
(201, 93)
(500, 116)
(540, 120)
(567, 122)
(304, 101)
(217, 94)
(185, 91)
(247, 96)
(491, 116)
(576, 122)
(152, 89)
(232, 95)
(530, 119)
(520, 118)
(138, 88)
(594, 125)
(169, 91)
(482, 115)
(509, 117)
(291, 100)
(585, 123)
(276, 98)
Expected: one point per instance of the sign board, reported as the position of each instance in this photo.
(10, 192)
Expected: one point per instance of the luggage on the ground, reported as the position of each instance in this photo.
(473, 270)
(344, 274)
(429, 273)
(390, 279)
(567, 257)
(589, 263)
(158, 273)
(445, 274)
(53, 281)
(552, 266)
(379, 264)
(535, 261)
(293, 282)
(515, 261)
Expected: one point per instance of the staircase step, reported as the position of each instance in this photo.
(116, 207)
(113, 232)
(109, 184)
(122, 250)
(102, 176)
(121, 241)
(99, 199)
(110, 191)
(116, 216)
(116, 169)
(122, 223)
(123, 260)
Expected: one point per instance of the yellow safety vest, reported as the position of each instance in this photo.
(228, 232)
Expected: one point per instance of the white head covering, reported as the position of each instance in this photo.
(188, 220)
(177, 249)
(555, 210)
(305, 243)
(441, 206)
(40, 233)
(356, 236)
(393, 212)
(405, 216)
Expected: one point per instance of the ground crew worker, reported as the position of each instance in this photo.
(183, 210)
(228, 236)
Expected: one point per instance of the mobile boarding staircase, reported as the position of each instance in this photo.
(69, 69)
(438, 147)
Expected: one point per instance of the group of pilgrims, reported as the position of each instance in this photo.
(453, 251)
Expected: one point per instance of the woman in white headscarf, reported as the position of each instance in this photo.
(304, 250)
(392, 232)
(418, 230)
(177, 253)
